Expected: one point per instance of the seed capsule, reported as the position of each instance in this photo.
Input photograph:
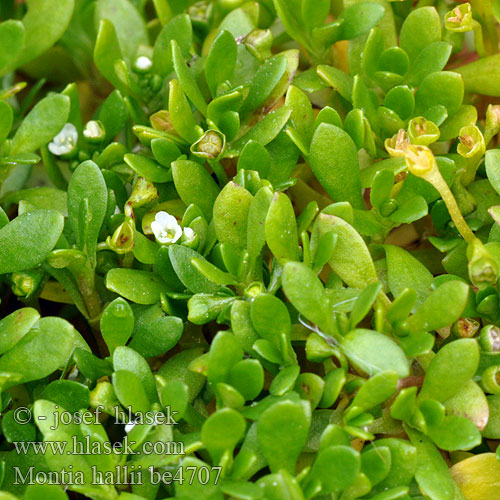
(489, 338)
(491, 380)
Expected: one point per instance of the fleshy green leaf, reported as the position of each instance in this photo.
(281, 229)
(195, 186)
(231, 210)
(117, 323)
(414, 37)
(43, 122)
(442, 308)
(405, 271)
(28, 239)
(453, 366)
(12, 42)
(44, 24)
(339, 173)
(129, 24)
(282, 432)
(373, 352)
(350, 259)
(35, 356)
(87, 206)
(178, 28)
(142, 287)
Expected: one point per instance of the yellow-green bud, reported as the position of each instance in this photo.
(26, 283)
(161, 121)
(489, 338)
(422, 132)
(398, 143)
(465, 328)
(471, 142)
(122, 240)
(210, 145)
(420, 160)
(259, 43)
(459, 19)
(483, 269)
(254, 290)
(144, 193)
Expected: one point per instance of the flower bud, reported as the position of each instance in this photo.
(161, 121)
(489, 339)
(147, 134)
(465, 328)
(459, 19)
(259, 43)
(254, 290)
(483, 269)
(422, 132)
(388, 207)
(210, 145)
(26, 283)
(342, 323)
(142, 65)
(200, 13)
(144, 193)
(471, 142)
(122, 240)
(94, 132)
(190, 238)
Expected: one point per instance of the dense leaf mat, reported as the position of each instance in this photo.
(249, 250)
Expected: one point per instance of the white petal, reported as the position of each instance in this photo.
(157, 228)
(178, 234)
(188, 233)
(69, 130)
(57, 149)
(165, 219)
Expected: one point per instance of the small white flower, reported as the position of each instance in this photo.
(166, 228)
(189, 234)
(65, 141)
(143, 63)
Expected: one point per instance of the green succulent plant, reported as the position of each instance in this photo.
(249, 250)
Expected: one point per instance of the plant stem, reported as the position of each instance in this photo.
(478, 39)
(92, 300)
(219, 171)
(436, 179)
